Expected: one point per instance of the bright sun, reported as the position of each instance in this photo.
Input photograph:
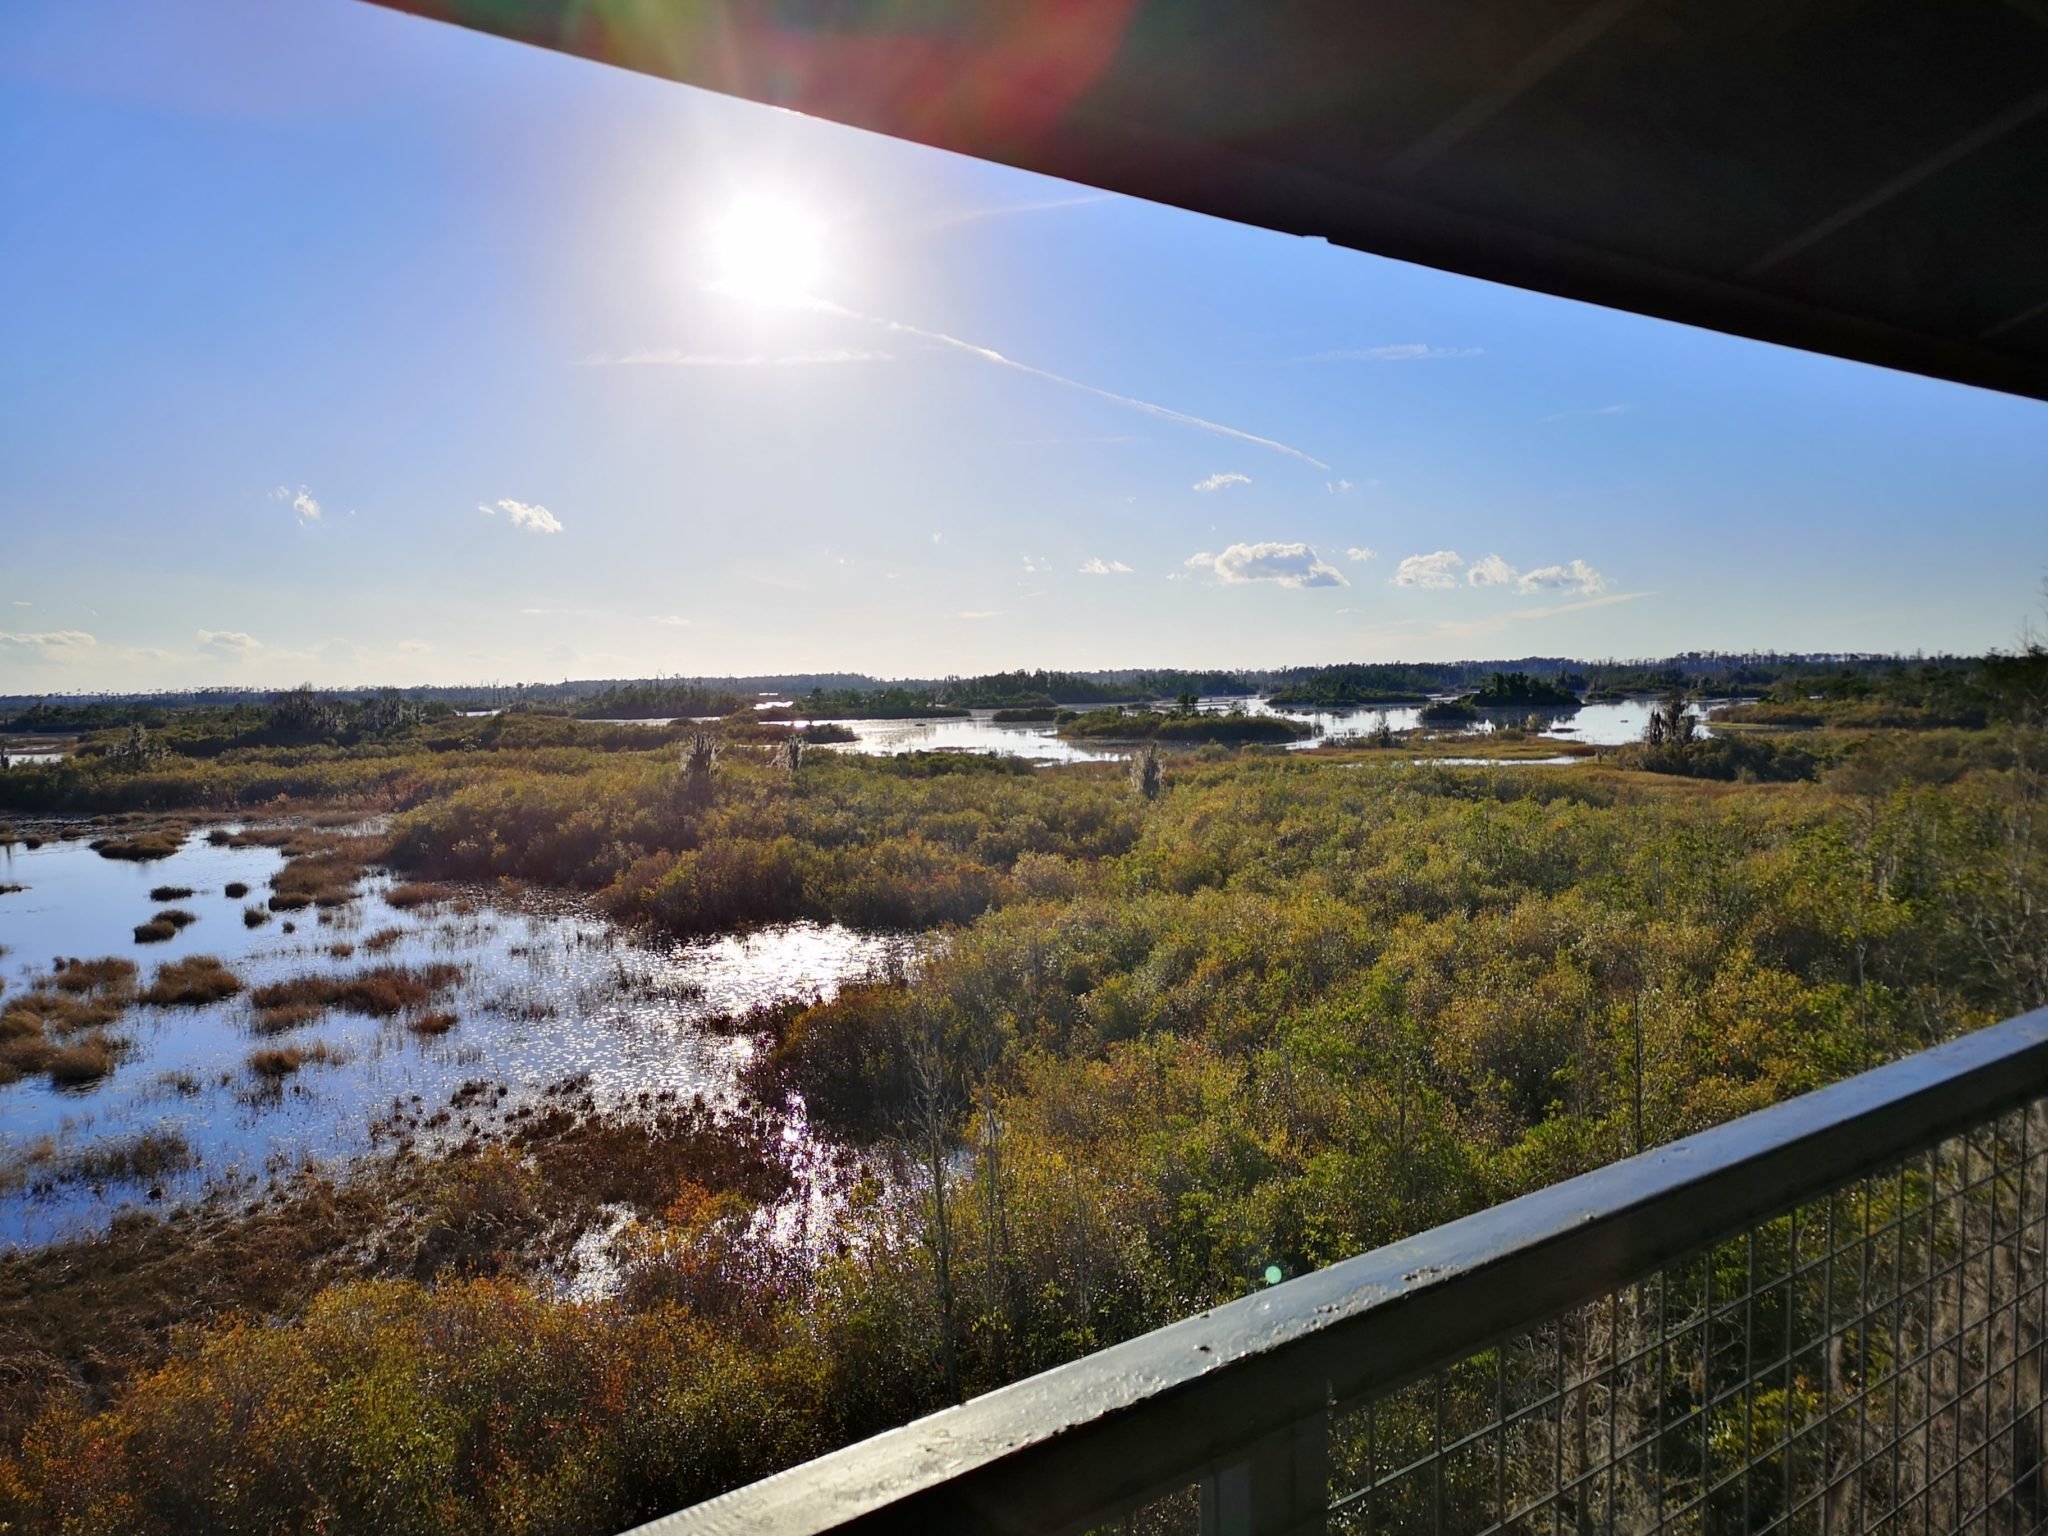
(767, 250)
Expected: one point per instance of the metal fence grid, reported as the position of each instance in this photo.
(1868, 1362)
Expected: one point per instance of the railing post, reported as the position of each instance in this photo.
(1280, 1487)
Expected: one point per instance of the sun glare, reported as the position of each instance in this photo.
(767, 250)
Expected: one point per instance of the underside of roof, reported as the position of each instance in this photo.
(1865, 178)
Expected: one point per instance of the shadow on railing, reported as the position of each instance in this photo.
(1826, 1317)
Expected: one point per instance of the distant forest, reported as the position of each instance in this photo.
(1960, 689)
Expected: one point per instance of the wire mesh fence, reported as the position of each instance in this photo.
(1871, 1361)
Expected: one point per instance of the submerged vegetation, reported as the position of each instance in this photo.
(1180, 1021)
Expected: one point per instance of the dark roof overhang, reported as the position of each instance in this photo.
(1865, 178)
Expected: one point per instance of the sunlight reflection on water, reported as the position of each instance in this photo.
(548, 993)
(1609, 724)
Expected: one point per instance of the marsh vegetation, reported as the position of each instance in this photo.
(1171, 1024)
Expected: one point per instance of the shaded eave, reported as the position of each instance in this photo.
(1862, 178)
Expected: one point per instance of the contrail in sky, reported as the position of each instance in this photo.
(989, 354)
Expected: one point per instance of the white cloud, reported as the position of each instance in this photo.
(228, 642)
(1105, 568)
(1434, 570)
(1291, 565)
(670, 621)
(1036, 567)
(938, 538)
(981, 613)
(1440, 570)
(50, 644)
(1395, 352)
(1337, 487)
(300, 501)
(22, 602)
(1576, 577)
(1222, 479)
(413, 647)
(1491, 571)
(1361, 554)
(536, 519)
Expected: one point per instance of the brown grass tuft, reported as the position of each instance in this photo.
(429, 1024)
(381, 991)
(111, 974)
(281, 1017)
(155, 932)
(417, 893)
(86, 1061)
(170, 892)
(322, 870)
(192, 982)
(141, 848)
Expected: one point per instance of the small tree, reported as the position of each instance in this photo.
(137, 750)
(1146, 774)
(790, 755)
(700, 761)
(1382, 733)
(1672, 724)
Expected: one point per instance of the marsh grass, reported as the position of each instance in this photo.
(137, 1159)
(142, 848)
(170, 892)
(254, 916)
(438, 1022)
(155, 931)
(382, 992)
(234, 890)
(177, 917)
(321, 868)
(39, 1028)
(84, 1062)
(109, 975)
(192, 982)
(382, 940)
(417, 893)
(281, 1018)
(79, 1318)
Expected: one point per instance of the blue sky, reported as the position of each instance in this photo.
(265, 260)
